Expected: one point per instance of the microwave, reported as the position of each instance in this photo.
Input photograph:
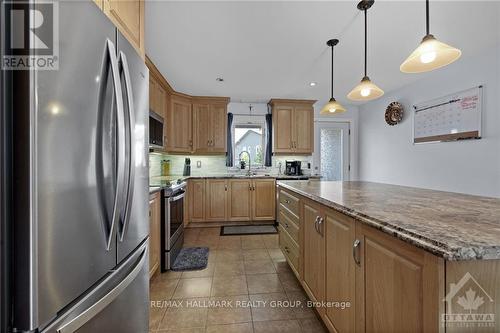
(155, 130)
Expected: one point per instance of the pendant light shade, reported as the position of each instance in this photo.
(430, 54)
(332, 107)
(366, 90)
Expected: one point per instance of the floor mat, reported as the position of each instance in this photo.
(191, 258)
(248, 230)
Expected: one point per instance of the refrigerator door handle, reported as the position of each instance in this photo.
(96, 308)
(109, 59)
(129, 191)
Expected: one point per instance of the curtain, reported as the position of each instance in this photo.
(269, 140)
(229, 154)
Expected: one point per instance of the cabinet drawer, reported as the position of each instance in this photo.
(289, 225)
(290, 202)
(291, 216)
(289, 248)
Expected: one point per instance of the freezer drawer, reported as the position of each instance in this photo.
(119, 304)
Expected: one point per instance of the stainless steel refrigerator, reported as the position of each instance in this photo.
(80, 183)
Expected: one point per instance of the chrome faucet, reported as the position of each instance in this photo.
(249, 173)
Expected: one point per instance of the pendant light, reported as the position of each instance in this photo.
(332, 107)
(430, 54)
(366, 90)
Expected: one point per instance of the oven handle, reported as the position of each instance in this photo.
(178, 197)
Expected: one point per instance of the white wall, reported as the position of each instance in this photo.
(387, 154)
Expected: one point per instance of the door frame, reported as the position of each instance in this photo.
(316, 157)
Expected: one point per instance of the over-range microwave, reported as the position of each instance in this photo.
(155, 130)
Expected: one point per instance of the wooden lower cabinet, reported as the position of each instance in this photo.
(196, 199)
(240, 200)
(399, 288)
(216, 200)
(313, 251)
(340, 285)
(264, 199)
(154, 232)
(381, 285)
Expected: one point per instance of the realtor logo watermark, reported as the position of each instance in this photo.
(469, 305)
(30, 35)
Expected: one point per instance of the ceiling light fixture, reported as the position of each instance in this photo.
(219, 79)
(430, 54)
(366, 90)
(312, 84)
(332, 107)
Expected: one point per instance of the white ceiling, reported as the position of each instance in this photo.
(274, 49)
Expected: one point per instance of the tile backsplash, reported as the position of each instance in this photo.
(214, 164)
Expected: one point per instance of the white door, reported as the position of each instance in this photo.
(331, 150)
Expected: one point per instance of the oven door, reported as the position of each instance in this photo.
(175, 218)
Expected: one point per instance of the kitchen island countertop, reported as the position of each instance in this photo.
(450, 225)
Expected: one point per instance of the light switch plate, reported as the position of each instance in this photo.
(198, 164)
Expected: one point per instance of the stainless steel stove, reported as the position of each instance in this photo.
(173, 222)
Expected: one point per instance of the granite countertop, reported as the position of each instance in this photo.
(450, 225)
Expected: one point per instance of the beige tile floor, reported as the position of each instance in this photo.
(243, 272)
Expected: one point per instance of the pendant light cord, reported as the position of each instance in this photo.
(366, 33)
(427, 29)
(332, 74)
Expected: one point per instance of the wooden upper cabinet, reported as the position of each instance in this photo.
(216, 199)
(218, 120)
(264, 199)
(398, 286)
(210, 124)
(282, 120)
(201, 127)
(293, 123)
(179, 125)
(340, 233)
(313, 252)
(303, 130)
(240, 200)
(128, 16)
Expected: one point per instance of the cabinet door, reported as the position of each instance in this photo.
(397, 285)
(201, 128)
(218, 143)
(152, 93)
(197, 200)
(179, 136)
(283, 117)
(340, 234)
(128, 16)
(216, 200)
(313, 252)
(161, 100)
(264, 199)
(239, 200)
(154, 233)
(303, 127)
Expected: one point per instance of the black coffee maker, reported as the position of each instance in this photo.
(293, 168)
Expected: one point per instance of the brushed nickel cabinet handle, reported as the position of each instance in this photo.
(320, 223)
(287, 201)
(355, 252)
(316, 224)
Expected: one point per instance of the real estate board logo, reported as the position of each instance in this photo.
(468, 305)
(30, 35)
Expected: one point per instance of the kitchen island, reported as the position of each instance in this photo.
(405, 259)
